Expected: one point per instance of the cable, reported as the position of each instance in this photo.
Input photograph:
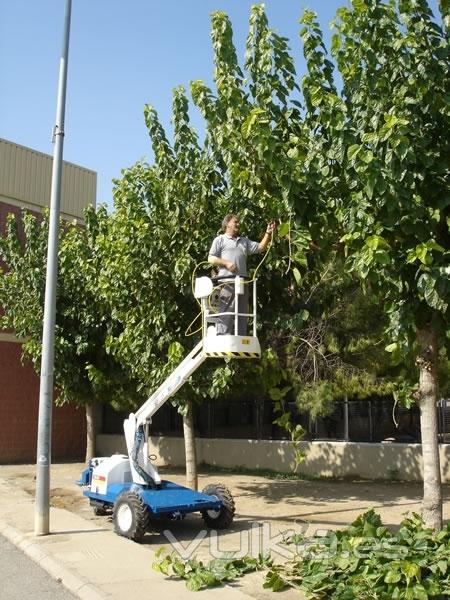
(261, 261)
(187, 333)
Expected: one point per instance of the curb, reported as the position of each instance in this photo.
(79, 586)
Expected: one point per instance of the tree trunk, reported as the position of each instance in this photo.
(432, 489)
(189, 448)
(93, 420)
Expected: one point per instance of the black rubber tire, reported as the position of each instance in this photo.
(140, 516)
(223, 518)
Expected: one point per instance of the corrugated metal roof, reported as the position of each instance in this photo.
(25, 180)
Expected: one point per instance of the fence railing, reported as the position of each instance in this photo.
(355, 420)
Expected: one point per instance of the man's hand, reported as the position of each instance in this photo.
(230, 266)
(271, 226)
(220, 262)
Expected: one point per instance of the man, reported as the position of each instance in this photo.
(229, 252)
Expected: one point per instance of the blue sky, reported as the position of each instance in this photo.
(122, 55)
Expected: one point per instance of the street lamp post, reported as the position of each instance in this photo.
(43, 461)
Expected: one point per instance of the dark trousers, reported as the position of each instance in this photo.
(225, 323)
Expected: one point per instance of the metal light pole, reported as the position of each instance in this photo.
(42, 500)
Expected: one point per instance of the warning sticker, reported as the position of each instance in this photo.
(98, 485)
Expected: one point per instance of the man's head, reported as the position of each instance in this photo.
(230, 225)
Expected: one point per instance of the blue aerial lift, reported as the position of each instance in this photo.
(129, 486)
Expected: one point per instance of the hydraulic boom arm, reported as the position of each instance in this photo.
(136, 426)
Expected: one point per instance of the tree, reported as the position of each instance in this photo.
(386, 137)
(366, 167)
(358, 171)
(164, 219)
(85, 374)
(167, 214)
(332, 349)
(256, 132)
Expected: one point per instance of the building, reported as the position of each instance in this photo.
(25, 182)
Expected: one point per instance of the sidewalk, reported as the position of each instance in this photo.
(94, 563)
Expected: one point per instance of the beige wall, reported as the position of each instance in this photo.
(324, 459)
(25, 181)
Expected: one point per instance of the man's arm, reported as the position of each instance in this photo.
(215, 254)
(271, 226)
(220, 262)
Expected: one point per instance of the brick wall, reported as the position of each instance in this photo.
(19, 402)
(6, 208)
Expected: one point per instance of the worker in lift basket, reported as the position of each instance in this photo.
(229, 252)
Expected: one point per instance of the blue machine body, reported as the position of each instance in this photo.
(169, 498)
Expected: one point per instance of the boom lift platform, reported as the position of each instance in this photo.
(129, 486)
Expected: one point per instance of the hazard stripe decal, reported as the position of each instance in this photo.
(233, 354)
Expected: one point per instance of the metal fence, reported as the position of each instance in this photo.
(373, 420)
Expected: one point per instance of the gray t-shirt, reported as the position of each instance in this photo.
(234, 249)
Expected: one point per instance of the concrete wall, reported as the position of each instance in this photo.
(324, 459)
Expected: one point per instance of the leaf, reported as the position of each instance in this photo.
(419, 592)
(443, 566)
(374, 242)
(303, 314)
(283, 229)
(370, 185)
(256, 115)
(353, 151)
(360, 5)
(274, 582)
(298, 277)
(277, 393)
(195, 583)
(392, 576)
(391, 347)
(426, 285)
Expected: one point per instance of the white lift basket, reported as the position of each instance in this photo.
(227, 345)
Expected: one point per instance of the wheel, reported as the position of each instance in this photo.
(131, 516)
(222, 518)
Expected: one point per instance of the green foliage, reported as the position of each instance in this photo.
(268, 155)
(358, 176)
(199, 576)
(165, 218)
(334, 349)
(393, 58)
(339, 171)
(297, 434)
(248, 118)
(84, 371)
(167, 214)
(366, 560)
(256, 133)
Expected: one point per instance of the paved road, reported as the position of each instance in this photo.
(23, 579)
